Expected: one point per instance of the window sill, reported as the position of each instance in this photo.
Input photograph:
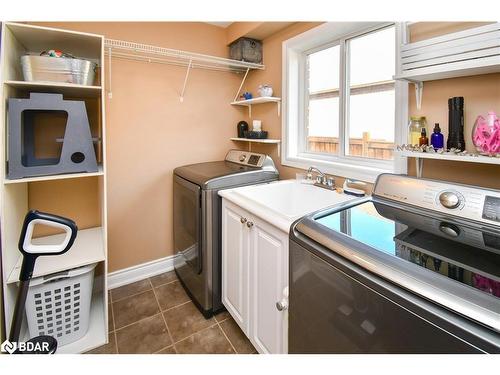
(348, 168)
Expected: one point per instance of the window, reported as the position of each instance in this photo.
(341, 99)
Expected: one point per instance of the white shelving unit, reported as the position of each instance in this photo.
(259, 100)
(420, 156)
(465, 53)
(17, 195)
(276, 142)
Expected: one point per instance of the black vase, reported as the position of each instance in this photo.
(242, 127)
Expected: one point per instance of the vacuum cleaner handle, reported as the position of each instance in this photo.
(31, 251)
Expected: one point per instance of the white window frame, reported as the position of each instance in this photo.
(294, 150)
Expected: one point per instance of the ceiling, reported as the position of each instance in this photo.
(220, 24)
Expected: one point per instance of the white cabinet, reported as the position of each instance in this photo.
(255, 277)
(235, 266)
(267, 282)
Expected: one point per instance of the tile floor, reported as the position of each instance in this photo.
(155, 315)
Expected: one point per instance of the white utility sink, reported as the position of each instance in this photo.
(284, 201)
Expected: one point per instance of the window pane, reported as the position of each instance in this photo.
(323, 130)
(371, 125)
(323, 109)
(371, 100)
(373, 57)
(324, 69)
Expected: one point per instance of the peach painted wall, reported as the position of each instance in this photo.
(149, 132)
(481, 94)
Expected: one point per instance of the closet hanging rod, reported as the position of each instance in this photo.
(150, 53)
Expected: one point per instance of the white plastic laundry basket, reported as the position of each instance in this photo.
(58, 305)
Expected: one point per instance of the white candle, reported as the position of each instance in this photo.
(257, 125)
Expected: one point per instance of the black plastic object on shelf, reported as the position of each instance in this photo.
(256, 135)
(242, 127)
(456, 123)
(77, 154)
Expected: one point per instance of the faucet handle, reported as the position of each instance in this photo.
(330, 181)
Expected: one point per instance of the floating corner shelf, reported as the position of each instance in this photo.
(268, 141)
(259, 100)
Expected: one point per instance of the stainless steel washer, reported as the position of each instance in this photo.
(413, 269)
(197, 220)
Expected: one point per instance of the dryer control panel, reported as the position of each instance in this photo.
(248, 158)
(466, 201)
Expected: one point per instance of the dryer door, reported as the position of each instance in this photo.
(187, 222)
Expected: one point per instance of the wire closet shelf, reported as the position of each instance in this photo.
(150, 53)
(153, 54)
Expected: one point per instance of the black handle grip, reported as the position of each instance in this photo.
(29, 259)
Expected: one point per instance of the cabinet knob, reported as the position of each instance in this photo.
(243, 220)
(282, 305)
(249, 224)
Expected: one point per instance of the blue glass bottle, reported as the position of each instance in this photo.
(437, 138)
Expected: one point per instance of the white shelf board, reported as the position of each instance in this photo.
(55, 177)
(88, 248)
(453, 70)
(468, 159)
(276, 142)
(67, 89)
(258, 100)
(269, 141)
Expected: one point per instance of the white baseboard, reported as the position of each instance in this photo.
(140, 272)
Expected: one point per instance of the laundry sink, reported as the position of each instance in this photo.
(284, 201)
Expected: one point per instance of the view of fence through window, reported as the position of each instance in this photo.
(369, 118)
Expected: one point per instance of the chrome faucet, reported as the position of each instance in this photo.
(314, 169)
(321, 179)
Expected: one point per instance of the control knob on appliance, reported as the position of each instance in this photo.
(449, 229)
(242, 157)
(449, 199)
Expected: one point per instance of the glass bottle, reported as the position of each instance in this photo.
(423, 140)
(437, 138)
(417, 123)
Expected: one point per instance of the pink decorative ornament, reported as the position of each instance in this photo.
(486, 134)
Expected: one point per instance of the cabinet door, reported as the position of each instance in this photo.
(235, 264)
(268, 279)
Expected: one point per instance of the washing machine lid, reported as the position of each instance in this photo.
(238, 168)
